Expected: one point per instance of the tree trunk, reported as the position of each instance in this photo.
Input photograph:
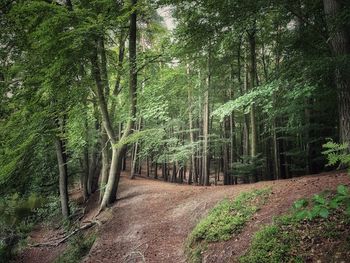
(63, 176)
(85, 174)
(134, 169)
(190, 119)
(205, 164)
(340, 46)
(252, 78)
(105, 164)
(156, 170)
(117, 87)
(226, 153)
(245, 135)
(118, 154)
(275, 151)
(107, 124)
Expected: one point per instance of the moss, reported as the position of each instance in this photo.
(224, 220)
(270, 245)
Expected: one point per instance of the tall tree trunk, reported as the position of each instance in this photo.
(134, 169)
(340, 46)
(117, 86)
(118, 154)
(107, 124)
(276, 158)
(252, 78)
(85, 174)
(156, 170)
(190, 119)
(205, 164)
(63, 176)
(105, 164)
(226, 158)
(245, 137)
(92, 170)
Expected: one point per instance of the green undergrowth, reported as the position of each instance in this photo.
(226, 219)
(315, 230)
(20, 214)
(78, 247)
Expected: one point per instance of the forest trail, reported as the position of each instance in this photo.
(152, 219)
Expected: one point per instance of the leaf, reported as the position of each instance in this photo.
(315, 212)
(334, 203)
(303, 214)
(300, 203)
(319, 199)
(343, 190)
(347, 211)
(324, 212)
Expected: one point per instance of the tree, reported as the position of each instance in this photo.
(340, 46)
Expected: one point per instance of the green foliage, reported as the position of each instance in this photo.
(258, 96)
(225, 219)
(19, 214)
(262, 96)
(337, 153)
(138, 135)
(78, 247)
(315, 219)
(249, 167)
(269, 246)
(322, 206)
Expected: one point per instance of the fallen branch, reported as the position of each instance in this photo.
(62, 240)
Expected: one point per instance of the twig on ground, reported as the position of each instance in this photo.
(64, 239)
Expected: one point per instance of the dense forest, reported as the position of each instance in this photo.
(99, 96)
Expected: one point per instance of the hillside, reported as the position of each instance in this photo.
(152, 219)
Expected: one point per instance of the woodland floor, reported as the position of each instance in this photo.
(151, 220)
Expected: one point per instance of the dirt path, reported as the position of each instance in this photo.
(152, 219)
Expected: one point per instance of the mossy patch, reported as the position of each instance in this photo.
(226, 219)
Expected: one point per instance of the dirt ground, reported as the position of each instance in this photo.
(151, 220)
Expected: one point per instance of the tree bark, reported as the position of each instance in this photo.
(105, 164)
(252, 78)
(340, 47)
(190, 120)
(276, 159)
(85, 174)
(117, 87)
(63, 176)
(205, 164)
(245, 137)
(134, 167)
(118, 154)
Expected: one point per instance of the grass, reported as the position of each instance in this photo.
(294, 239)
(223, 221)
(78, 248)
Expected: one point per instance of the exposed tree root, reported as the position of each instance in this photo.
(64, 239)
